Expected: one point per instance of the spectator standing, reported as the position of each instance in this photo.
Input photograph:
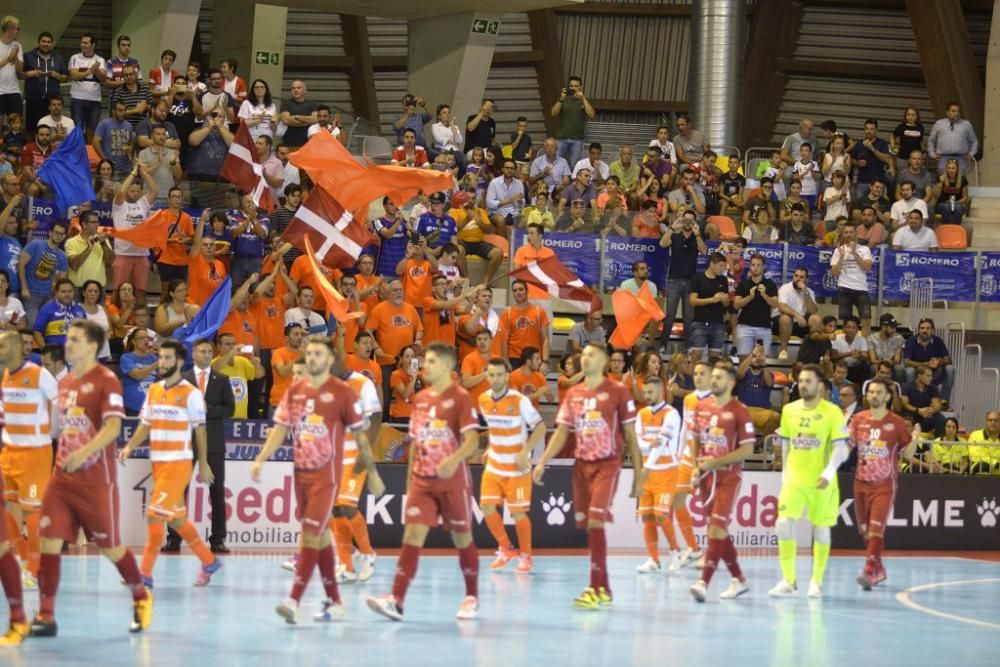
(414, 117)
(87, 71)
(872, 159)
(44, 70)
(135, 94)
(796, 310)
(526, 325)
(926, 350)
(248, 228)
(325, 122)
(480, 128)
(181, 113)
(684, 241)
(130, 209)
(161, 79)
(573, 110)
(283, 360)
(89, 253)
(791, 146)
(40, 265)
(215, 98)
(233, 84)
(114, 138)
(158, 116)
(520, 142)
(161, 163)
(953, 137)
(850, 264)
(915, 235)
(392, 230)
(709, 295)
(806, 171)
(172, 263)
(138, 371)
(297, 115)
(258, 110)
(908, 136)
(115, 67)
(395, 325)
(447, 137)
(756, 298)
(209, 147)
(11, 68)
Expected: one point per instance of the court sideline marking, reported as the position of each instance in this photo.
(904, 599)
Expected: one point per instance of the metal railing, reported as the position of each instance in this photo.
(977, 389)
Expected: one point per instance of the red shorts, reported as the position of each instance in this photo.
(872, 505)
(66, 508)
(719, 490)
(594, 484)
(428, 505)
(314, 494)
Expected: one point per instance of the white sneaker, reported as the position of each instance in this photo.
(783, 589)
(678, 560)
(783, 355)
(815, 590)
(331, 611)
(291, 564)
(28, 580)
(345, 577)
(649, 567)
(367, 563)
(469, 609)
(387, 606)
(287, 610)
(736, 589)
(700, 563)
(699, 590)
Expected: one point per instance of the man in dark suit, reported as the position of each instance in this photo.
(219, 404)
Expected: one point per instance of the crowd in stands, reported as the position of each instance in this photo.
(155, 131)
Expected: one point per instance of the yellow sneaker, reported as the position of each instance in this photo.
(15, 634)
(603, 597)
(142, 616)
(587, 599)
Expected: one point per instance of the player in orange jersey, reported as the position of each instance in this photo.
(27, 412)
(658, 430)
(173, 408)
(317, 412)
(10, 581)
(83, 492)
(509, 415)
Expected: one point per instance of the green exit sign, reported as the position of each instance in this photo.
(485, 27)
(266, 58)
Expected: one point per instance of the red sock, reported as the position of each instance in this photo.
(48, 585)
(10, 578)
(308, 558)
(468, 559)
(129, 570)
(523, 527)
(494, 522)
(598, 542)
(667, 526)
(874, 557)
(327, 573)
(15, 537)
(651, 535)
(716, 548)
(729, 556)
(406, 569)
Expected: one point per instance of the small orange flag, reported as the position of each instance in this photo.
(150, 233)
(633, 312)
(336, 304)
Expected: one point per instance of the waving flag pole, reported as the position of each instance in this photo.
(243, 169)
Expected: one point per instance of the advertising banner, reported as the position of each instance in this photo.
(581, 253)
(620, 252)
(953, 274)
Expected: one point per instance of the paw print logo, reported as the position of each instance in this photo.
(988, 510)
(556, 509)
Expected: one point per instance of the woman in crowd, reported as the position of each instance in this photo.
(91, 302)
(836, 159)
(120, 307)
(11, 308)
(907, 137)
(953, 201)
(175, 312)
(405, 382)
(104, 182)
(681, 380)
(258, 111)
(570, 374)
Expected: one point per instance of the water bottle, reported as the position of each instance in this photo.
(951, 202)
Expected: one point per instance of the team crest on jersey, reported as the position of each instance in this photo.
(26, 381)
(448, 404)
(86, 388)
(522, 322)
(400, 321)
(889, 426)
(326, 397)
(727, 415)
(603, 396)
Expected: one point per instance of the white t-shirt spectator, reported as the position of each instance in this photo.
(807, 172)
(901, 208)
(65, 122)
(601, 171)
(791, 297)
(851, 276)
(840, 344)
(12, 314)
(8, 73)
(126, 216)
(923, 239)
(329, 129)
(310, 320)
(445, 139)
(88, 89)
(249, 110)
(667, 150)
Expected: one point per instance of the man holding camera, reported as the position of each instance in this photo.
(573, 110)
(414, 117)
(684, 241)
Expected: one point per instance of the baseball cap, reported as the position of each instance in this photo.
(887, 319)
(438, 198)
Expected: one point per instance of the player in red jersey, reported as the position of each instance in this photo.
(722, 439)
(599, 412)
(317, 412)
(83, 492)
(10, 580)
(880, 438)
(439, 489)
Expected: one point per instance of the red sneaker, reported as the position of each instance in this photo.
(504, 556)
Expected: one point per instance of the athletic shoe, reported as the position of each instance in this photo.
(700, 563)
(504, 556)
(206, 572)
(345, 576)
(587, 599)
(675, 561)
(142, 614)
(524, 565)
(291, 564)
(815, 590)
(866, 581)
(287, 610)
(387, 606)
(469, 609)
(699, 590)
(783, 589)
(603, 597)
(146, 581)
(367, 562)
(28, 580)
(686, 558)
(332, 611)
(783, 355)
(649, 567)
(42, 628)
(736, 589)
(880, 575)
(15, 634)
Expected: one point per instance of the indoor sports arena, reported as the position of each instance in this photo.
(500, 333)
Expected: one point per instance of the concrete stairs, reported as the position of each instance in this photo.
(984, 219)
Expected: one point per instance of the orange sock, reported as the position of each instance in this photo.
(524, 536)
(359, 529)
(667, 525)
(34, 541)
(189, 534)
(651, 536)
(154, 539)
(683, 517)
(494, 522)
(343, 537)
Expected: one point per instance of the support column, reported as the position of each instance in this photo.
(715, 82)
(989, 168)
(362, 79)
(35, 17)
(254, 35)
(449, 63)
(155, 25)
(549, 70)
(773, 33)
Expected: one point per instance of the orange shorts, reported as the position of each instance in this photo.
(684, 473)
(170, 481)
(656, 492)
(352, 484)
(26, 474)
(494, 489)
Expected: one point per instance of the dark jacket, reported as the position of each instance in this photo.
(219, 405)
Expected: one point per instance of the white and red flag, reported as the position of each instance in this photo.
(555, 278)
(243, 169)
(337, 237)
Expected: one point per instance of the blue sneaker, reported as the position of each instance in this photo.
(147, 582)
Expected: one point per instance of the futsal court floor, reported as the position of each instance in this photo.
(942, 610)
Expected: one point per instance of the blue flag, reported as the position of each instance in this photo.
(67, 171)
(209, 318)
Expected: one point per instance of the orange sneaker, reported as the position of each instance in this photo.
(504, 556)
